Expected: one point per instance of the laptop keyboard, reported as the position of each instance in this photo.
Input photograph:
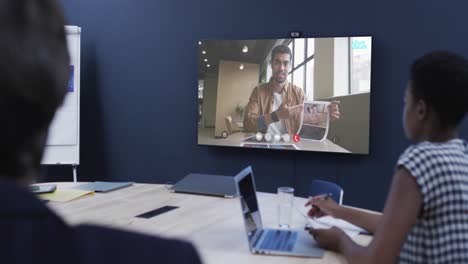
(279, 240)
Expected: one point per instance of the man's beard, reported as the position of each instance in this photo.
(280, 80)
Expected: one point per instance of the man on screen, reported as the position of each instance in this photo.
(276, 107)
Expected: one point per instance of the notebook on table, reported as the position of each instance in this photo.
(99, 186)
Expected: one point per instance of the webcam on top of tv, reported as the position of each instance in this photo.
(295, 34)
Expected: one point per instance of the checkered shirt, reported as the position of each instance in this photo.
(440, 234)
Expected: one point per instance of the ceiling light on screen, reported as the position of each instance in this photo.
(208, 65)
(204, 52)
(241, 67)
(206, 60)
(199, 43)
(245, 49)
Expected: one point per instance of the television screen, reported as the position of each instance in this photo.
(300, 94)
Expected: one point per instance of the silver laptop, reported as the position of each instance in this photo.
(286, 242)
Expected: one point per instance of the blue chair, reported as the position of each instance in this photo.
(319, 187)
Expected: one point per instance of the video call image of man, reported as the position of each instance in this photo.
(276, 107)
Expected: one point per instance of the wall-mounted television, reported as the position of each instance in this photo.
(301, 94)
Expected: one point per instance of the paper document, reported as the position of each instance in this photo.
(326, 222)
(315, 121)
(64, 195)
(331, 221)
(318, 225)
(99, 186)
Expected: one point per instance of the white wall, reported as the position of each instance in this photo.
(331, 69)
(234, 87)
(331, 82)
(209, 100)
(341, 67)
(352, 129)
(323, 68)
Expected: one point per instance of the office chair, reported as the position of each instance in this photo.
(323, 187)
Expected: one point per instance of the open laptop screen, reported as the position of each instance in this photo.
(248, 197)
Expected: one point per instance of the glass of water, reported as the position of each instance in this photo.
(285, 206)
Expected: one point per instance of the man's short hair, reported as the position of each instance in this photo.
(281, 49)
(34, 71)
(440, 78)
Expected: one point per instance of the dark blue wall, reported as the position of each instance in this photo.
(139, 79)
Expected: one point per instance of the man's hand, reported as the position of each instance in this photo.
(320, 206)
(328, 238)
(334, 110)
(286, 112)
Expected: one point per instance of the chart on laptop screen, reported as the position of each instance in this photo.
(297, 94)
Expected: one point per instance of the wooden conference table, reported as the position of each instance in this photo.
(214, 225)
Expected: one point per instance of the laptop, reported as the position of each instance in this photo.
(269, 241)
(206, 184)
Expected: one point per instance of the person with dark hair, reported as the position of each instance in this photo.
(34, 71)
(276, 107)
(425, 219)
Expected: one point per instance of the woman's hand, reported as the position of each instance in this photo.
(321, 205)
(328, 238)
